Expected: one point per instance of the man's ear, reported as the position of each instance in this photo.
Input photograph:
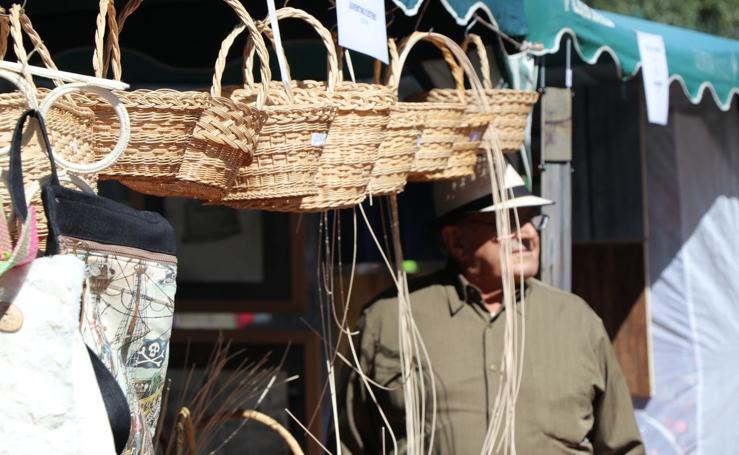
(455, 242)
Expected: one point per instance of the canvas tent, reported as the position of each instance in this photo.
(673, 192)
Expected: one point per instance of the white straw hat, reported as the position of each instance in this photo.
(468, 195)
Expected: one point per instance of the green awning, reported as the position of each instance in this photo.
(698, 61)
(509, 14)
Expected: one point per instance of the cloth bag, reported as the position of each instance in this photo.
(128, 299)
(50, 401)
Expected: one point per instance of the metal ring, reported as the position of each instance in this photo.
(23, 6)
(123, 119)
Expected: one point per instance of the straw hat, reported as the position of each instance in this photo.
(457, 198)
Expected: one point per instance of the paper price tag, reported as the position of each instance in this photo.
(318, 139)
(656, 76)
(362, 27)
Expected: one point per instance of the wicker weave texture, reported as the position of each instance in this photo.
(187, 143)
(69, 124)
(444, 126)
(353, 139)
(286, 157)
(464, 153)
(397, 151)
(511, 108)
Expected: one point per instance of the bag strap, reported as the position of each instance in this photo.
(16, 187)
(116, 404)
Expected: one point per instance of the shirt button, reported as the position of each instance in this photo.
(493, 368)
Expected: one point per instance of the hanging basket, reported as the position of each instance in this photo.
(353, 139)
(473, 121)
(399, 145)
(511, 108)
(441, 122)
(290, 144)
(183, 143)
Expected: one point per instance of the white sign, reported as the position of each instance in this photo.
(656, 76)
(362, 27)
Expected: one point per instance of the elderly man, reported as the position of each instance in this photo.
(573, 398)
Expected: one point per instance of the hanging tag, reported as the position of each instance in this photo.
(362, 27)
(318, 139)
(273, 23)
(656, 76)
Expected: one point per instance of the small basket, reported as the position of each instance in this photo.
(474, 120)
(353, 140)
(511, 108)
(183, 143)
(442, 123)
(399, 146)
(291, 141)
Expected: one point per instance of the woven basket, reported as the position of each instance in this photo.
(288, 150)
(184, 143)
(473, 121)
(69, 124)
(441, 122)
(464, 153)
(511, 108)
(399, 146)
(353, 138)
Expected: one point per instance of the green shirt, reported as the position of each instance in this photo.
(573, 396)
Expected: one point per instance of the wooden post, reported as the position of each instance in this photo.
(556, 184)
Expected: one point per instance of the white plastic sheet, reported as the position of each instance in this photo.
(693, 245)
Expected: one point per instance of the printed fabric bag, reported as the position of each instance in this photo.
(128, 300)
(51, 401)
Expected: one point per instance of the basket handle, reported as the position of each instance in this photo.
(396, 70)
(323, 33)
(108, 53)
(255, 37)
(275, 426)
(4, 32)
(107, 15)
(482, 55)
(453, 55)
(14, 24)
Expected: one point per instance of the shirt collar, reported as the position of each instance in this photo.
(468, 293)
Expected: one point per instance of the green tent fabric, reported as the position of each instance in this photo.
(698, 61)
(509, 14)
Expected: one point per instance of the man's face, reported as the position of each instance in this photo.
(476, 245)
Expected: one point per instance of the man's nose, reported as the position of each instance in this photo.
(527, 231)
